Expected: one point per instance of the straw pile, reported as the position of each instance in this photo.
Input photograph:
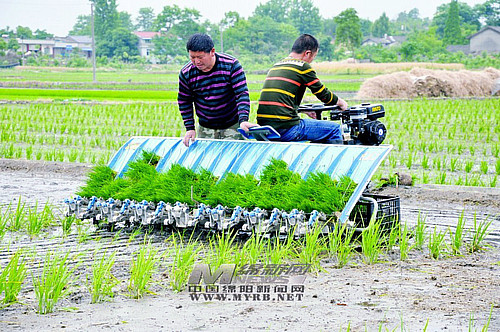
(421, 82)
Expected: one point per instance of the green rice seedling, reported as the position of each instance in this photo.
(84, 234)
(12, 277)
(404, 241)
(184, 256)
(4, 221)
(454, 164)
(102, 281)
(392, 238)
(340, 244)
(420, 231)
(18, 217)
(484, 167)
(468, 166)
(425, 177)
(493, 181)
(425, 162)
(255, 248)
(36, 221)
(134, 234)
(497, 166)
(409, 161)
(29, 152)
(67, 223)
(371, 242)
(220, 250)
(457, 238)
(144, 265)
(441, 178)
(472, 149)
(495, 150)
(309, 250)
(486, 326)
(436, 243)
(52, 284)
(278, 251)
(480, 232)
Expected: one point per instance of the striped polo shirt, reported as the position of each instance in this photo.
(220, 96)
(283, 90)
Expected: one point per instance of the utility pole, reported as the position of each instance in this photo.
(93, 41)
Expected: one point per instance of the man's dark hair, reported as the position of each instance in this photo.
(200, 43)
(305, 42)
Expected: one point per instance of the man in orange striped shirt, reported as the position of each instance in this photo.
(283, 90)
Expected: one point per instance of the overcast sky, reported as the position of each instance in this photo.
(59, 16)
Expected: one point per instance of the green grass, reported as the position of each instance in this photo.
(436, 244)
(143, 266)
(480, 232)
(371, 242)
(184, 256)
(102, 281)
(12, 277)
(53, 283)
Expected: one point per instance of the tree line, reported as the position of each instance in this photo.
(269, 32)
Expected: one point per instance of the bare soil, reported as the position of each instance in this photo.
(440, 293)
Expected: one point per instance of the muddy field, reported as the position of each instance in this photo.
(447, 294)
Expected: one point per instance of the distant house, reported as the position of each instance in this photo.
(58, 46)
(146, 44)
(487, 39)
(384, 41)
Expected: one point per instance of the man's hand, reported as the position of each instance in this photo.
(245, 125)
(311, 114)
(342, 104)
(189, 137)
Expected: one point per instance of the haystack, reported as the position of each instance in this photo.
(420, 82)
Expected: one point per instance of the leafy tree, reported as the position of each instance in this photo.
(329, 27)
(423, 43)
(262, 36)
(366, 26)
(169, 16)
(145, 19)
(82, 26)
(381, 26)
(176, 25)
(24, 32)
(348, 29)
(3, 47)
(119, 43)
(467, 16)
(452, 32)
(326, 48)
(230, 19)
(409, 22)
(42, 34)
(13, 44)
(277, 10)
(106, 18)
(305, 16)
(125, 21)
(489, 12)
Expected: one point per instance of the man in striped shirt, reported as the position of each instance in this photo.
(216, 84)
(283, 89)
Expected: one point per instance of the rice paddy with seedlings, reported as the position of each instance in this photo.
(395, 275)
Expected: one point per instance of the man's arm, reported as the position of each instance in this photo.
(321, 91)
(239, 85)
(185, 100)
